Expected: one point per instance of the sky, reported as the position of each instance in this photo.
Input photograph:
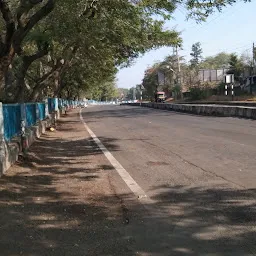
(232, 30)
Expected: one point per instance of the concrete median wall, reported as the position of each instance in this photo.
(210, 110)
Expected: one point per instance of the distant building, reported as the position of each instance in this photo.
(212, 75)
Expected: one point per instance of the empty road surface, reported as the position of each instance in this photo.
(198, 173)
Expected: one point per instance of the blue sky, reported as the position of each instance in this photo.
(233, 30)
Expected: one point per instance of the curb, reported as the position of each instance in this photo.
(209, 110)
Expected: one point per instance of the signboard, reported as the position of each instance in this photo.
(161, 78)
(229, 79)
(212, 75)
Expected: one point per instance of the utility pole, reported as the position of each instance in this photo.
(253, 58)
(178, 59)
(178, 73)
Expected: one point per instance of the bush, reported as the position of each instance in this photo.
(198, 93)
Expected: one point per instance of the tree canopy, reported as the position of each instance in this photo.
(50, 46)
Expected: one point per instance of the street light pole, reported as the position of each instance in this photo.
(169, 68)
(178, 75)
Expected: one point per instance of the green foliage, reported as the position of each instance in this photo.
(86, 41)
(201, 10)
(169, 70)
(236, 66)
(150, 81)
(103, 92)
(94, 45)
(134, 93)
(197, 93)
(196, 54)
(221, 60)
(122, 93)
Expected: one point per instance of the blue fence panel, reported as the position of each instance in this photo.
(41, 110)
(12, 116)
(30, 114)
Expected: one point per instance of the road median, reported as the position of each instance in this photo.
(204, 109)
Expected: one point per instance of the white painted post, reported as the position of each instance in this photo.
(37, 112)
(46, 108)
(56, 109)
(232, 92)
(23, 124)
(226, 90)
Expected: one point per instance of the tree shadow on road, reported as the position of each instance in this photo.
(49, 203)
(208, 221)
(36, 218)
(55, 204)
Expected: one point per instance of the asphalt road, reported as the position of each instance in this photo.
(199, 172)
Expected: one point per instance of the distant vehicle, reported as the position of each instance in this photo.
(83, 105)
(160, 97)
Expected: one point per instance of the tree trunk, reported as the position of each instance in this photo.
(26, 62)
(20, 82)
(60, 87)
(40, 83)
(5, 62)
(20, 96)
(36, 92)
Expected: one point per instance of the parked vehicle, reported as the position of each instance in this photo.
(160, 97)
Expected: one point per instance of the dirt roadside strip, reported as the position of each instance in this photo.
(60, 201)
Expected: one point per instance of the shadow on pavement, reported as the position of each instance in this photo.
(55, 205)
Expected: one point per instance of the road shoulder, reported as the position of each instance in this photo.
(60, 201)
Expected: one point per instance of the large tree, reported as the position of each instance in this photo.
(45, 39)
(196, 53)
(236, 66)
(221, 60)
(19, 18)
(98, 34)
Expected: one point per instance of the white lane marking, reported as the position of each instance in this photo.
(127, 178)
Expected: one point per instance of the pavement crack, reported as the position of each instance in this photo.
(186, 161)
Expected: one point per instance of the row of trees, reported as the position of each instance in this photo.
(163, 75)
(236, 64)
(65, 47)
(72, 48)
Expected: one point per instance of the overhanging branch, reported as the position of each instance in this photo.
(34, 19)
(10, 27)
(40, 14)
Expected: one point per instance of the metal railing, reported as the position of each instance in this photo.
(41, 111)
(34, 113)
(12, 119)
(31, 114)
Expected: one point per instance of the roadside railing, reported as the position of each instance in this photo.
(41, 111)
(31, 117)
(12, 119)
(34, 113)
